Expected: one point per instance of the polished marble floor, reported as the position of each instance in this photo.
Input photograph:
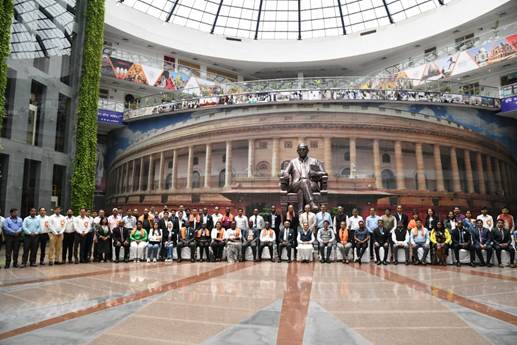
(257, 303)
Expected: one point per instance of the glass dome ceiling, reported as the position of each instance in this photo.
(283, 19)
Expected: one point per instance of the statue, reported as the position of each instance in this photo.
(304, 176)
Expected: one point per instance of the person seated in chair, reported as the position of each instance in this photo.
(400, 239)
(361, 238)
(121, 240)
(286, 239)
(250, 238)
(305, 240)
(233, 238)
(503, 241)
(462, 239)
(419, 238)
(381, 240)
(326, 240)
(186, 239)
(267, 239)
(482, 240)
(344, 241)
(138, 241)
(203, 237)
(441, 240)
(218, 241)
(169, 239)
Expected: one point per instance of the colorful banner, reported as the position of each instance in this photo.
(509, 104)
(110, 116)
(465, 61)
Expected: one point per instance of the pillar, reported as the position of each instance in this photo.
(490, 175)
(353, 158)
(420, 167)
(499, 177)
(190, 158)
(468, 171)
(251, 158)
(150, 176)
(131, 184)
(377, 164)
(481, 174)
(275, 166)
(456, 183)
(141, 178)
(399, 167)
(438, 170)
(327, 155)
(508, 183)
(228, 165)
(160, 174)
(174, 169)
(208, 164)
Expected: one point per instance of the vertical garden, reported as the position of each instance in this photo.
(6, 17)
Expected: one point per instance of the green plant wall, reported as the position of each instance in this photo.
(83, 178)
(6, 18)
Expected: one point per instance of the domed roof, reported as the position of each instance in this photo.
(283, 19)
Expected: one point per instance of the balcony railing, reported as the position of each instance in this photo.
(337, 89)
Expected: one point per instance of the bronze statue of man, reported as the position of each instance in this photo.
(303, 176)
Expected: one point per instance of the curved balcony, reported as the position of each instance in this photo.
(336, 90)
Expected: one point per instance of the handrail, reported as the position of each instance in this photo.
(300, 95)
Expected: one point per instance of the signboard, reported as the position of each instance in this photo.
(509, 104)
(110, 116)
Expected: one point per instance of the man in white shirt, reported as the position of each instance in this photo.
(217, 216)
(267, 239)
(256, 221)
(488, 221)
(353, 220)
(82, 225)
(97, 217)
(322, 216)
(241, 220)
(114, 219)
(57, 225)
(68, 237)
(184, 216)
(43, 237)
(308, 217)
(129, 220)
(233, 237)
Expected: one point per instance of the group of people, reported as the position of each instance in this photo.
(155, 235)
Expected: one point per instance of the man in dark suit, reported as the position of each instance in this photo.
(250, 238)
(503, 241)
(186, 238)
(400, 216)
(482, 240)
(462, 239)
(381, 237)
(286, 239)
(121, 240)
(275, 220)
(207, 219)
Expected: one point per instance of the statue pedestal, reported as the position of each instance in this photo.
(292, 198)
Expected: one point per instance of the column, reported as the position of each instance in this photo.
(420, 167)
(174, 169)
(399, 167)
(150, 174)
(481, 174)
(327, 155)
(499, 177)
(490, 175)
(190, 158)
(228, 165)
(251, 158)
(377, 164)
(208, 164)
(468, 171)
(160, 176)
(456, 183)
(141, 178)
(275, 167)
(438, 171)
(353, 158)
(508, 184)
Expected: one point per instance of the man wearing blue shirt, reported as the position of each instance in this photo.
(31, 228)
(12, 231)
(322, 216)
(371, 223)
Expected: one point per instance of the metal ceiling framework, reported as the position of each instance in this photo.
(283, 19)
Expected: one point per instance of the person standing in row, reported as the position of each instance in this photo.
(82, 226)
(12, 227)
(31, 231)
(68, 237)
(57, 226)
(43, 236)
(371, 222)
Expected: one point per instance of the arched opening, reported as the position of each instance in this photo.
(262, 169)
(386, 158)
(388, 179)
(345, 172)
